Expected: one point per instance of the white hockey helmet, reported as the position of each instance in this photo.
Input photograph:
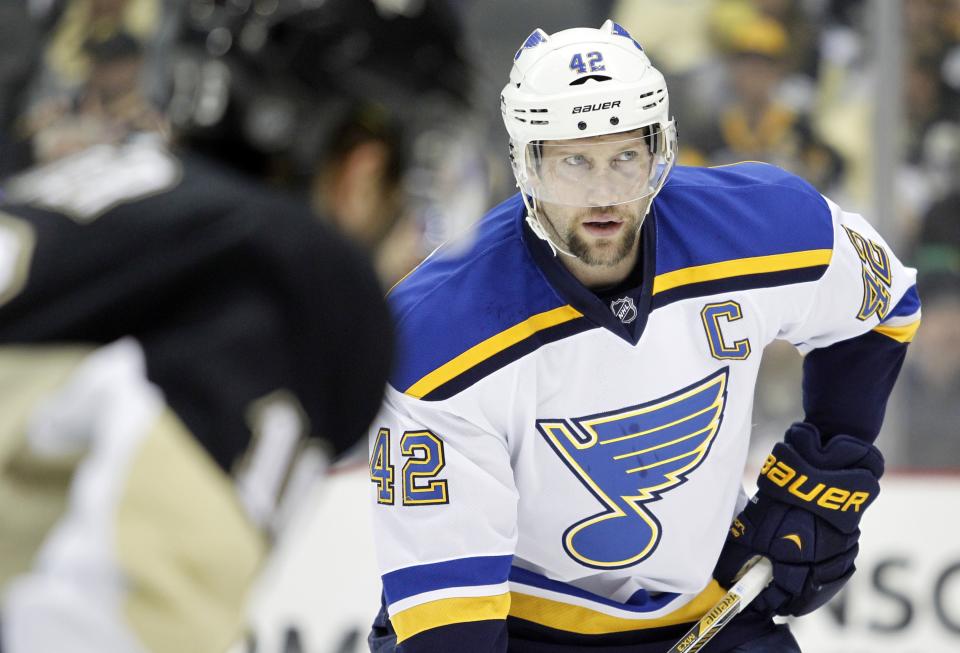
(582, 83)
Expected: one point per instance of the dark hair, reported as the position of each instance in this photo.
(365, 122)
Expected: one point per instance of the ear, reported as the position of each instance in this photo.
(356, 195)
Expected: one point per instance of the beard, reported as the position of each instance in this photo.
(607, 253)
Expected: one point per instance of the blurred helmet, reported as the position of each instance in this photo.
(251, 80)
(577, 84)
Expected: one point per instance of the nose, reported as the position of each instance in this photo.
(603, 187)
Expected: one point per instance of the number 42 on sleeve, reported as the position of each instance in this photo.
(423, 455)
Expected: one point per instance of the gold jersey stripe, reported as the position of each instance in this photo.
(903, 333)
(741, 267)
(491, 346)
(578, 619)
(444, 612)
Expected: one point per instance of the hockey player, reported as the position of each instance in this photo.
(558, 460)
(178, 342)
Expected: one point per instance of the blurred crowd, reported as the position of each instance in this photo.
(387, 100)
(408, 149)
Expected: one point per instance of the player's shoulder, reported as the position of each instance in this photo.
(742, 210)
(739, 225)
(215, 197)
(174, 214)
(476, 304)
(469, 258)
(745, 174)
(230, 217)
(144, 183)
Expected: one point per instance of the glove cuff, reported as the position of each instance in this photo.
(839, 497)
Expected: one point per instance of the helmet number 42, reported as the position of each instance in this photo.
(594, 62)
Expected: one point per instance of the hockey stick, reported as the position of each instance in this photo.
(730, 605)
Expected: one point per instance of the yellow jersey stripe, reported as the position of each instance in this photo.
(903, 333)
(578, 619)
(491, 346)
(741, 267)
(444, 612)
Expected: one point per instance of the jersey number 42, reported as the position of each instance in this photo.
(419, 485)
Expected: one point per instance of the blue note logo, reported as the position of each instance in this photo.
(536, 37)
(627, 458)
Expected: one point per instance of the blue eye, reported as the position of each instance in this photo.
(575, 160)
(627, 155)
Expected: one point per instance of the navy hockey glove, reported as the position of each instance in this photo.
(805, 518)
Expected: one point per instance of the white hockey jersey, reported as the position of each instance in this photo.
(576, 464)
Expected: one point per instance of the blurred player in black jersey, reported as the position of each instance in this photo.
(178, 345)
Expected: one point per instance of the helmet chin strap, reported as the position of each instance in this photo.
(533, 219)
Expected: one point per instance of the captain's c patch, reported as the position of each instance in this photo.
(627, 458)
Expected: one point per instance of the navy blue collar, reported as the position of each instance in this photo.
(585, 300)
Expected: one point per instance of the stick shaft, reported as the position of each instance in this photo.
(729, 606)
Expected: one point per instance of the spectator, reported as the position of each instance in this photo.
(933, 377)
(756, 124)
(107, 108)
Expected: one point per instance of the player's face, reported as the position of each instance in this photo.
(594, 183)
(602, 236)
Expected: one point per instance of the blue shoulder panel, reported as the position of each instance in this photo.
(909, 304)
(743, 226)
(473, 307)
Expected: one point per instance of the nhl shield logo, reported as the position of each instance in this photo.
(624, 309)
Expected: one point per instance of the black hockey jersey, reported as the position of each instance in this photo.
(234, 291)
